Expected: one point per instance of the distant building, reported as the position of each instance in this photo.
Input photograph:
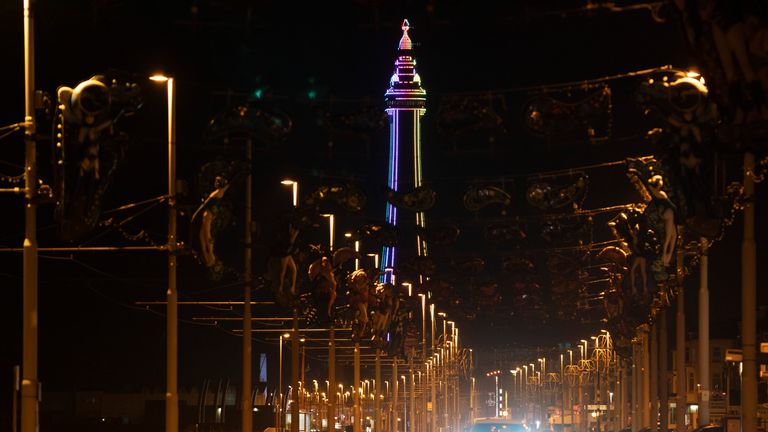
(216, 407)
(721, 377)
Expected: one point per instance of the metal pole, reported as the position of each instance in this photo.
(424, 398)
(456, 413)
(472, 401)
(624, 394)
(29, 382)
(15, 400)
(279, 413)
(435, 382)
(646, 398)
(611, 379)
(663, 373)
(654, 357)
(332, 379)
(748, 302)
(680, 340)
(295, 371)
(377, 399)
(395, 380)
(405, 405)
(172, 393)
(432, 323)
(583, 419)
(356, 396)
(597, 384)
(434, 379)
(93, 249)
(562, 388)
(635, 387)
(247, 403)
(704, 332)
(444, 358)
(412, 412)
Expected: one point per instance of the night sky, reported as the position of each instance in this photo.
(93, 336)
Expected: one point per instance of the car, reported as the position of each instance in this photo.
(494, 424)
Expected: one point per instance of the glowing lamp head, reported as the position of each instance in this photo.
(158, 78)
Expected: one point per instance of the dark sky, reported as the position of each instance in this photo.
(91, 334)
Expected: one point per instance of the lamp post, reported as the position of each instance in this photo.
(496, 392)
(330, 402)
(357, 249)
(412, 394)
(377, 392)
(356, 390)
(524, 386)
(562, 388)
(330, 230)
(423, 418)
(405, 404)
(295, 186)
(375, 259)
(295, 372)
(472, 401)
(246, 400)
(29, 382)
(294, 334)
(433, 380)
(279, 423)
(171, 393)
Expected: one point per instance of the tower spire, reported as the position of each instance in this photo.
(405, 41)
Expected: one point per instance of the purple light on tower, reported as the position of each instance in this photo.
(406, 103)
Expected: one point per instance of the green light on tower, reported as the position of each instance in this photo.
(312, 88)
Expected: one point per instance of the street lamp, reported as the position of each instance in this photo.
(405, 404)
(172, 393)
(562, 388)
(496, 382)
(280, 380)
(357, 249)
(295, 186)
(330, 229)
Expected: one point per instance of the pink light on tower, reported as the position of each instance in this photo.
(406, 104)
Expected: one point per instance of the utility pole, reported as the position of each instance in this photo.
(377, 400)
(295, 371)
(332, 378)
(654, 375)
(246, 402)
(663, 387)
(704, 358)
(748, 301)
(680, 338)
(356, 396)
(30, 386)
(646, 385)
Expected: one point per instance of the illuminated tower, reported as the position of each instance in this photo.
(406, 103)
